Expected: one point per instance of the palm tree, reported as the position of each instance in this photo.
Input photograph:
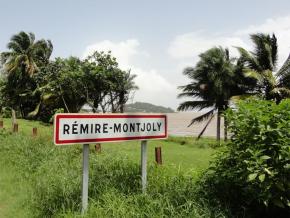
(23, 60)
(261, 63)
(214, 80)
(26, 54)
(125, 86)
(283, 79)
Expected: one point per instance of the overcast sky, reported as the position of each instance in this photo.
(156, 39)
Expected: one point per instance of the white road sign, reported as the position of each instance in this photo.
(92, 128)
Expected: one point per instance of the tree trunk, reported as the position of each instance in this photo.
(21, 111)
(218, 126)
(225, 129)
(208, 122)
(65, 105)
(122, 101)
(13, 117)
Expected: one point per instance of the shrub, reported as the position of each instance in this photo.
(251, 174)
(6, 112)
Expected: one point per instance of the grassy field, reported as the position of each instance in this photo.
(38, 179)
(180, 153)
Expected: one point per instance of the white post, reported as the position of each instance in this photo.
(144, 165)
(86, 149)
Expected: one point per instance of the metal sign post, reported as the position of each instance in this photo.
(86, 149)
(100, 128)
(144, 165)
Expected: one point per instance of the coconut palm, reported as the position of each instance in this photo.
(283, 79)
(23, 59)
(214, 80)
(261, 63)
(26, 54)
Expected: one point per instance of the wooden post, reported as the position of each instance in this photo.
(1, 124)
(34, 132)
(98, 148)
(158, 155)
(15, 127)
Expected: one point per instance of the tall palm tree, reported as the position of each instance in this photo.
(214, 80)
(283, 79)
(22, 60)
(26, 54)
(125, 86)
(261, 63)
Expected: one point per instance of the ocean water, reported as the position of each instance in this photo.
(178, 125)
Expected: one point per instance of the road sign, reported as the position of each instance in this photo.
(92, 128)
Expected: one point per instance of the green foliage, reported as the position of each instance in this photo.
(252, 172)
(53, 175)
(213, 81)
(36, 86)
(24, 58)
(109, 86)
(260, 64)
(284, 74)
(5, 112)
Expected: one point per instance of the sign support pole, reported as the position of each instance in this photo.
(86, 149)
(144, 165)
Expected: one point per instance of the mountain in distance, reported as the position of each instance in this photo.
(142, 107)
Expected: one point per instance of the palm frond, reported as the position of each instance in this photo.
(253, 74)
(269, 77)
(204, 128)
(281, 91)
(35, 111)
(265, 50)
(284, 73)
(188, 94)
(202, 117)
(246, 57)
(190, 105)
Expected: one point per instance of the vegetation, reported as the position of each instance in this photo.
(24, 58)
(50, 177)
(251, 175)
(36, 87)
(283, 75)
(260, 64)
(146, 108)
(214, 80)
(217, 79)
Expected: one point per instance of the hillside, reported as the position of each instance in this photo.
(143, 107)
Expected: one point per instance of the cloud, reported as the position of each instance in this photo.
(190, 45)
(153, 87)
(280, 26)
(123, 51)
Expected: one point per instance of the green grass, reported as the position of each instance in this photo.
(48, 178)
(25, 127)
(13, 194)
(180, 153)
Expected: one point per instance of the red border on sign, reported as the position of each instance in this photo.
(80, 141)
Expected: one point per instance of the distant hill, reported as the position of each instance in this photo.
(142, 107)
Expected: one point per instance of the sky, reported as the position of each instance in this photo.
(155, 39)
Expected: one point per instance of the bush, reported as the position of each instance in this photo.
(251, 174)
(6, 112)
